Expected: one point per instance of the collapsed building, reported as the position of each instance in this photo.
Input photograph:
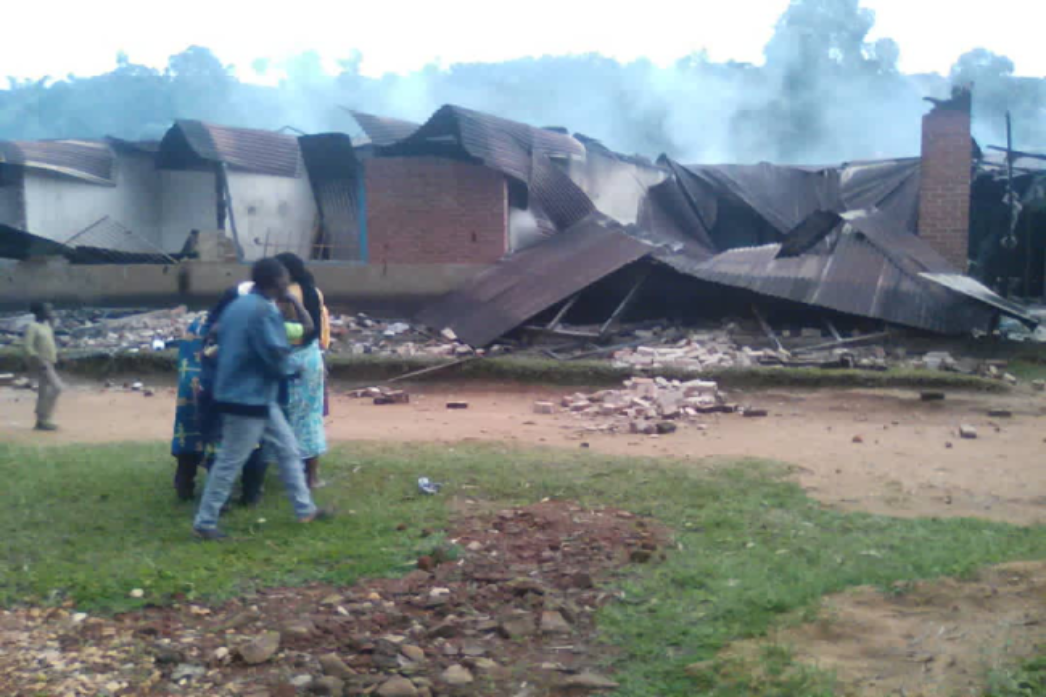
(552, 228)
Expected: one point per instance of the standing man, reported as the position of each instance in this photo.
(252, 361)
(43, 355)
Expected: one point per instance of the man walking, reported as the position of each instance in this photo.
(43, 355)
(252, 362)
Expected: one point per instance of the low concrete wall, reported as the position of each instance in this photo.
(393, 290)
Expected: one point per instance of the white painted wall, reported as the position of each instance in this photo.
(273, 214)
(57, 207)
(187, 202)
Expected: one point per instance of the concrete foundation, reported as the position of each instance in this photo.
(391, 290)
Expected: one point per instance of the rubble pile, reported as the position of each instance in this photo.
(651, 406)
(647, 349)
(505, 607)
(699, 351)
(361, 335)
(106, 329)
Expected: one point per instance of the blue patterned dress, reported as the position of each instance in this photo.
(188, 422)
(305, 400)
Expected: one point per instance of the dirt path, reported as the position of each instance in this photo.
(904, 466)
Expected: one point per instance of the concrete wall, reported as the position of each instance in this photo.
(427, 210)
(273, 214)
(187, 202)
(392, 290)
(57, 207)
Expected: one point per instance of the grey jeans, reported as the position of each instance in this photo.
(240, 435)
(49, 386)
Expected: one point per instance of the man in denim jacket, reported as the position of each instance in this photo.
(251, 364)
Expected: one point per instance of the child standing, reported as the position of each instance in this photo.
(43, 355)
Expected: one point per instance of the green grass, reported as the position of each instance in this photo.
(370, 369)
(1027, 680)
(1028, 370)
(93, 523)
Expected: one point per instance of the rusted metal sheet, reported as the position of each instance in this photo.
(243, 149)
(89, 160)
(382, 130)
(533, 280)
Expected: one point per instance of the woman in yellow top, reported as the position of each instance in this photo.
(305, 391)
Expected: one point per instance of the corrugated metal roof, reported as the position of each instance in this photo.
(330, 160)
(784, 196)
(891, 186)
(89, 160)
(978, 291)
(382, 130)
(521, 152)
(244, 149)
(867, 268)
(529, 282)
(21, 245)
(141, 146)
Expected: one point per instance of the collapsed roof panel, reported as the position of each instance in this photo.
(782, 196)
(868, 269)
(521, 152)
(509, 293)
(243, 149)
(890, 186)
(88, 160)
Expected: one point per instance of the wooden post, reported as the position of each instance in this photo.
(767, 329)
(558, 319)
(624, 304)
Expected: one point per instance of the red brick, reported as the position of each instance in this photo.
(435, 211)
(944, 200)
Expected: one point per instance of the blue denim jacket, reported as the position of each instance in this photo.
(252, 356)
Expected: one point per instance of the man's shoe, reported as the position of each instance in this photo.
(319, 515)
(214, 535)
(45, 426)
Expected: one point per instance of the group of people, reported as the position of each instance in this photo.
(252, 390)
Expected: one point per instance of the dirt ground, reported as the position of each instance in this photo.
(879, 451)
(931, 638)
(911, 461)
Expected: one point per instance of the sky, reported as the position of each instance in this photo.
(58, 37)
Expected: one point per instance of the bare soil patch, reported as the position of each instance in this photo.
(937, 637)
(507, 610)
(879, 451)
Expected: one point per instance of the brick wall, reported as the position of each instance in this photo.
(427, 210)
(944, 198)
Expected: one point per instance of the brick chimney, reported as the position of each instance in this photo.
(947, 164)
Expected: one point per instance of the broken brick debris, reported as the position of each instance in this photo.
(530, 587)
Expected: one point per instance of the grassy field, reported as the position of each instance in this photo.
(93, 523)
